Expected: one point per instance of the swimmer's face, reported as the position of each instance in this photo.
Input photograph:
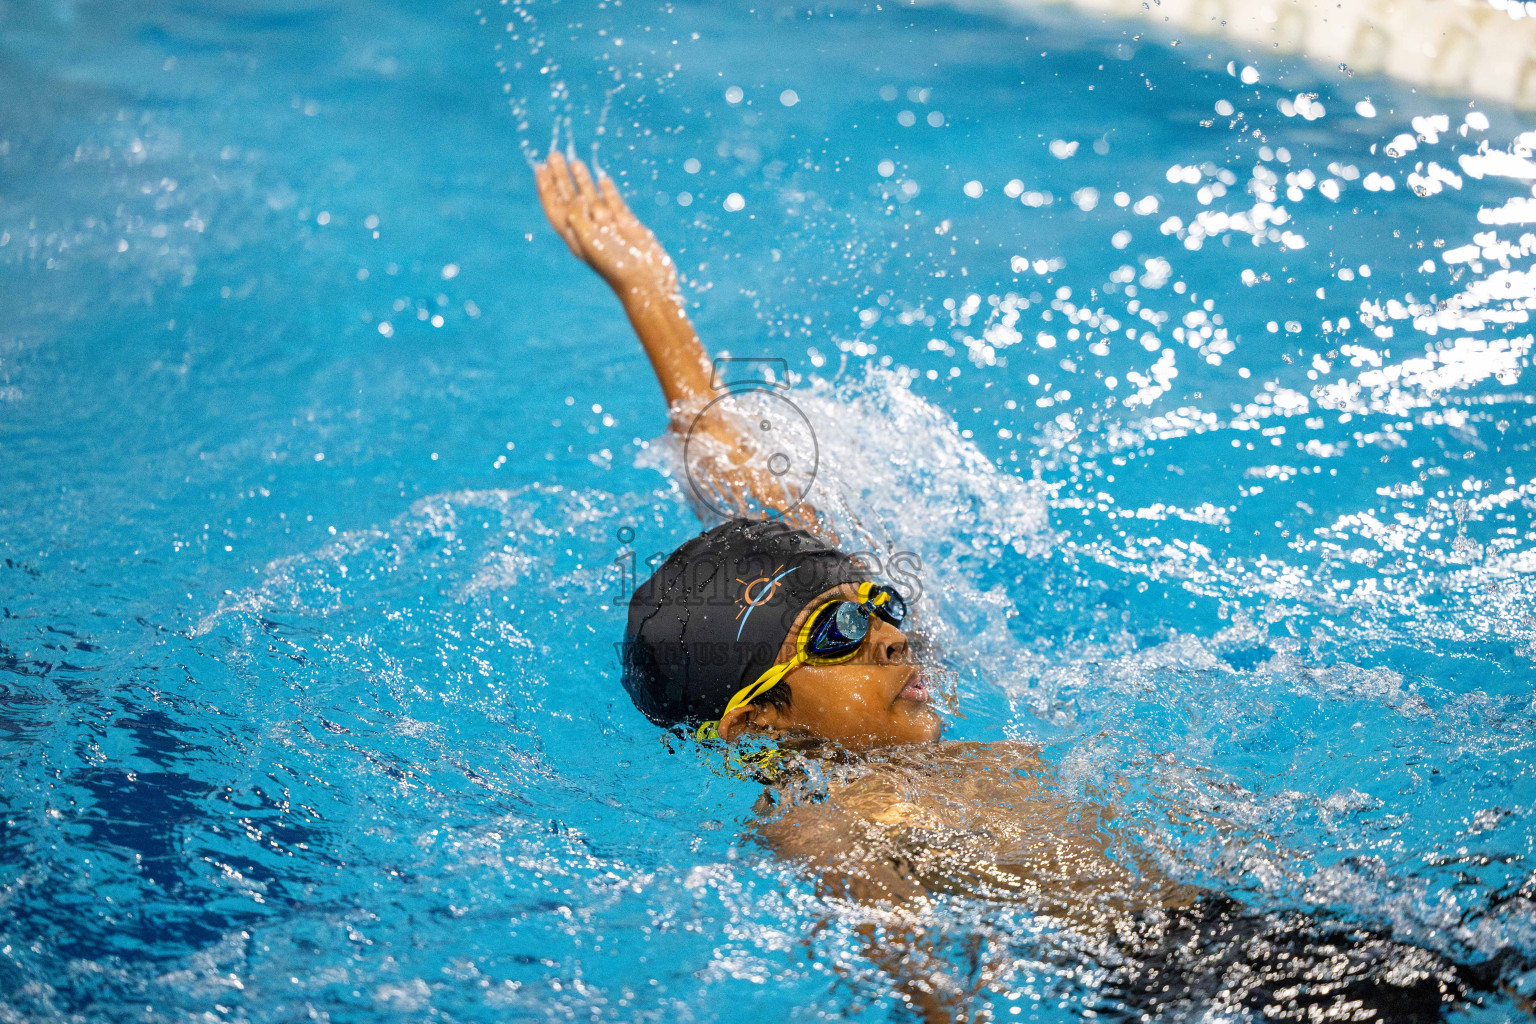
(877, 699)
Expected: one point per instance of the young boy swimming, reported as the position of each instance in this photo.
(761, 631)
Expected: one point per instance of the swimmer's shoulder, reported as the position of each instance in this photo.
(902, 789)
(847, 841)
(995, 758)
(880, 798)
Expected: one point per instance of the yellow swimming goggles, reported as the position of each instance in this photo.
(831, 635)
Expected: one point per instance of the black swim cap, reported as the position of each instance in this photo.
(714, 616)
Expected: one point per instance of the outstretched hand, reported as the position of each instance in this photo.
(600, 228)
(605, 234)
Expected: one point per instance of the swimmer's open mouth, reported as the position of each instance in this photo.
(916, 688)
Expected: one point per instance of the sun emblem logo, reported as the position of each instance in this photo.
(758, 591)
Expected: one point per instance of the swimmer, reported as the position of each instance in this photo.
(760, 633)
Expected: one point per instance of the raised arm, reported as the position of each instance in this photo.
(604, 233)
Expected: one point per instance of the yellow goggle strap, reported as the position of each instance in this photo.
(879, 599)
(747, 694)
(763, 683)
(769, 679)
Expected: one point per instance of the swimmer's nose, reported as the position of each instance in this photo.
(888, 645)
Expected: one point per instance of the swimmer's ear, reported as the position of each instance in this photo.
(749, 719)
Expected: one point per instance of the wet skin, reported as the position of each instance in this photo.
(909, 817)
(978, 817)
(878, 699)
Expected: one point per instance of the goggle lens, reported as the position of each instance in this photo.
(842, 625)
(836, 632)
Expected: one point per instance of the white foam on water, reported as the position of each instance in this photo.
(923, 487)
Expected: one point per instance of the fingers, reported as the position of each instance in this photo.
(596, 205)
(561, 177)
(561, 201)
(544, 178)
(611, 195)
(589, 241)
(586, 213)
(581, 224)
(555, 209)
(602, 195)
(584, 187)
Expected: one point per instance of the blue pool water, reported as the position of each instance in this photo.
(316, 446)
